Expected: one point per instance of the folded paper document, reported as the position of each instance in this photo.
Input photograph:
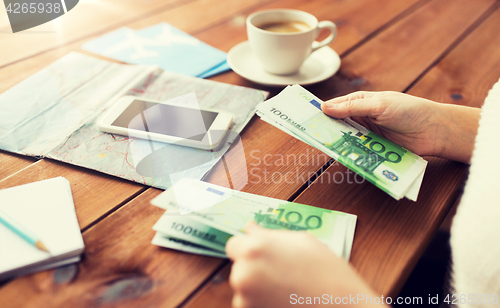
(54, 113)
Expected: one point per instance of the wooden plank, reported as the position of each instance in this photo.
(227, 34)
(87, 18)
(11, 163)
(216, 293)
(391, 59)
(201, 14)
(397, 56)
(120, 268)
(354, 19)
(90, 18)
(387, 267)
(14, 73)
(469, 71)
(274, 164)
(94, 194)
(408, 46)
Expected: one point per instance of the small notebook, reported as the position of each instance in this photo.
(47, 209)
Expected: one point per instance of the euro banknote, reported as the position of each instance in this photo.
(212, 214)
(185, 246)
(392, 168)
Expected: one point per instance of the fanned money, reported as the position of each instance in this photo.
(201, 217)
(392, 168)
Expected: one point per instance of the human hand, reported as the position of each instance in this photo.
(275, 268)
(420, 125)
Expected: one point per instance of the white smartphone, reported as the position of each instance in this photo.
(166, 122)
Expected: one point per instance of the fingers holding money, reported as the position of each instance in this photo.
(245, 245)
(270, 266)
(249, 267)
(357, 104)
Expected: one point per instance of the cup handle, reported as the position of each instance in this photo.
(322, 25)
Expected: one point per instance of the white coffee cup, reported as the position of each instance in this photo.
(284, 53)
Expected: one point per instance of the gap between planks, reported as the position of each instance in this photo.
(29, 166)
(481, 19)
(388, 24)
(116, 208)
(225, 20)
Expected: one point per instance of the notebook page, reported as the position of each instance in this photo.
(46, 208)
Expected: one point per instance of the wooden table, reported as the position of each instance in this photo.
(444, 50)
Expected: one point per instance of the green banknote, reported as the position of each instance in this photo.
(183, 228)
(182, 245)
(392, 168)
(213, 213)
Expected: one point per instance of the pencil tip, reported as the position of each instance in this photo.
(41, 246)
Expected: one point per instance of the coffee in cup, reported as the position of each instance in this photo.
(285, 26)
(282, 39)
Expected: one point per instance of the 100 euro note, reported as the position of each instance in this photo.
(392, 168)
(213, 214)
(186, 246)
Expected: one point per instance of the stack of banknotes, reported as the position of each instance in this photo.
(392, 168)
(201, 217)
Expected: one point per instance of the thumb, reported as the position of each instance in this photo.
(358, 104)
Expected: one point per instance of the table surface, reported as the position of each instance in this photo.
(444, 50)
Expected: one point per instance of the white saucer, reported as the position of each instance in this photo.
(320, 65)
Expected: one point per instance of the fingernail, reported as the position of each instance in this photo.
(330, 105)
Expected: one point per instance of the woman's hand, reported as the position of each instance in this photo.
(279, 268)
(420, 125)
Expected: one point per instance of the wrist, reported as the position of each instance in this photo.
(457, 131)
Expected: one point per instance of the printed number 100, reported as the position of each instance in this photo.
(293, 217)
(379, 148)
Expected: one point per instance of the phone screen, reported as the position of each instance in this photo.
(166, 119)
